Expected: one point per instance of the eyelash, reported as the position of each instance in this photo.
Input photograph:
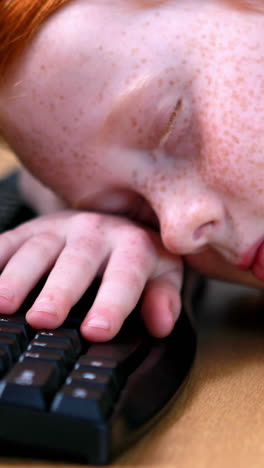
(171, 123)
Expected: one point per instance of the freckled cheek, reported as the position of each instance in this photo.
(216, 166)
(233, 172)
(222, 152)
(232, 146)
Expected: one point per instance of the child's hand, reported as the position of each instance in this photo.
(75, 247)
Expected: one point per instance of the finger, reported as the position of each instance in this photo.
(122, 285)
(10, 242)
(72, 274)
(25, 269)
(161, 304)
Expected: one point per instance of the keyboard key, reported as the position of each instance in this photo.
(109, 366)
(54, 345)
(13, 330)
(17, 321)
(47, 356)
(50, 352)
(96, 378)
(5, 362)
(82, 401)
(66, 335)
(11, 345)
(127, 354)
(29, 384)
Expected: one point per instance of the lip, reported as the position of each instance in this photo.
(253, 259)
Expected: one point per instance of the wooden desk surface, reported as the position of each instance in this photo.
(218, 420)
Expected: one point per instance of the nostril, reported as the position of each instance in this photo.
(203, 231)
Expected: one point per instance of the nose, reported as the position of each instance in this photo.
(190, 224)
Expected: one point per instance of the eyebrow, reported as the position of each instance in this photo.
(135, 91)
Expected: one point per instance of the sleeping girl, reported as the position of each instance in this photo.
(140, 127)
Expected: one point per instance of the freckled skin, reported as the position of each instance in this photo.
(205, 183)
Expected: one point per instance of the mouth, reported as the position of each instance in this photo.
(253, 259)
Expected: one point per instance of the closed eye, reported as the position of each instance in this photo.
(171, 123)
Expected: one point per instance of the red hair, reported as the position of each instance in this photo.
(19, 21)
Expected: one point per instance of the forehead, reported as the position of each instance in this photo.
(188, 28)
(255, 5)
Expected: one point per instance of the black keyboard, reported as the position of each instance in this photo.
(64, 398)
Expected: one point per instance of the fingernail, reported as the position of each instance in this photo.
(174, 310)
(98, 322)
(44, 307)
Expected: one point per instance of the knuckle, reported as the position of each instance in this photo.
(131, 278)
(7, 240)
(79, 258)
(87, 221)
(46, 239)
(139, 260)
(138, 239)
(87, 233)
(85, 245)
(135, 279)
(45, 243)
(60, 296)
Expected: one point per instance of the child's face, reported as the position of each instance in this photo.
(117, 102)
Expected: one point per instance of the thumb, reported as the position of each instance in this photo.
(161, 301)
